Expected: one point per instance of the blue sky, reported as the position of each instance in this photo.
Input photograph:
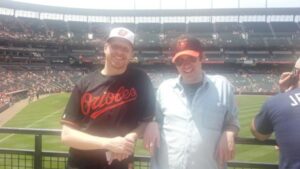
(165, 4)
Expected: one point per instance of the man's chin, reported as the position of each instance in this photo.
(188, 73)
(119, 66)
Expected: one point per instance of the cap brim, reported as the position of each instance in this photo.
(186, 52)
(118, 37)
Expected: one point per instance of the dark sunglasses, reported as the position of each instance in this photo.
(180, 61)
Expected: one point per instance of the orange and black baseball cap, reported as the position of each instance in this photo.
(187, 45)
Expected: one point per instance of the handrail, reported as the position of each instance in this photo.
(36, 131)
(31, 131)
(38, 152)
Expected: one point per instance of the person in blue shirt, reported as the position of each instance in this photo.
(196, 117)
(281, 114)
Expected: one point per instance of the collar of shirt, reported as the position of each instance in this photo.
(178, 84)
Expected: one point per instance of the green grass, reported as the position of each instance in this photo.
(46, 113)
(248, 107)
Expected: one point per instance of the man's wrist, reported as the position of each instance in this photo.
(132, 135)
(105, 143)
(232, 129)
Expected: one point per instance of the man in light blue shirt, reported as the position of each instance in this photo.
(196, 117)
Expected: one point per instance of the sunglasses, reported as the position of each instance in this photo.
(180, 61)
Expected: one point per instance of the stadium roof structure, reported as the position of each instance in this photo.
(149, 12)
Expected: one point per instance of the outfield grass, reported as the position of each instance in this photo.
(46, 113)
(248, 107)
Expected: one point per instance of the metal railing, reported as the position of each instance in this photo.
(39, 159)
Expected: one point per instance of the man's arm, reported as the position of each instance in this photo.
(261, 125)
(152, 131)
(139, 131)
(132, 136)
(258, 135)
(225, 150)
(83, 141)
(152, 137)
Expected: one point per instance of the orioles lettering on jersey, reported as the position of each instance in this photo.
(97, 105)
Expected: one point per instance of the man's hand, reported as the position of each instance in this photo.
(111, 156)
(226, 148)
(284, 81)
(121, 145)
(132, 137)
(152, 137)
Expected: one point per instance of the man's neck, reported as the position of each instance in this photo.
(111, 71)
(191, 81)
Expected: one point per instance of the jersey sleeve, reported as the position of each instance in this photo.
(72, 115)
(148, 99)
(262, 121)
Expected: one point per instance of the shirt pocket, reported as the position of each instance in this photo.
(213, 117)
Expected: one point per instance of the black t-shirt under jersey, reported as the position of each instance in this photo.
(108, 106)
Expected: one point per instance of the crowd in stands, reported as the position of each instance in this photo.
(156, 37)
(50, 80)
(243, 81)
(35, 30)
(260, 83)
(220, 34)
(35, 82)
(227, 41)
(45, 80)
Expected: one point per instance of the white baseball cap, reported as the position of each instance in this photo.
(122, 32)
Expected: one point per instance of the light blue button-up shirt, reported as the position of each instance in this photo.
(190, 133)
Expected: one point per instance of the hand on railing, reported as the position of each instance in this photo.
(226, 148)
(152, 137)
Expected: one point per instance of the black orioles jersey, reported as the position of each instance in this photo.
(108, 106)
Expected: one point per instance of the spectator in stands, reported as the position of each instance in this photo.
(281, 114)
(108, 109)
(13, 80)
(196, 120)
(4, 99)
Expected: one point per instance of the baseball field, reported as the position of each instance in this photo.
(46, 113)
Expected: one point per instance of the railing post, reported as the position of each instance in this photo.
(38, 152)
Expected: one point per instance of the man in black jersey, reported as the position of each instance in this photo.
(108, 109)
